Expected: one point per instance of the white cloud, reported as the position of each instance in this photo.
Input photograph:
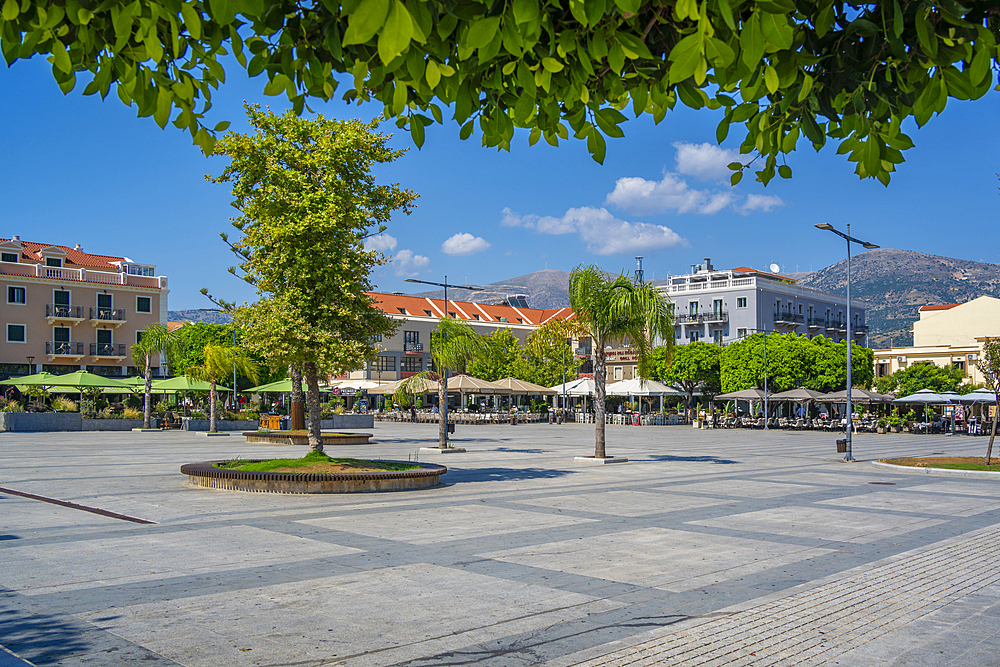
(408, 265)
(603, 233)
(464, 244)
(760, 203)
(380, 242)
(705, 161)
(642, 197)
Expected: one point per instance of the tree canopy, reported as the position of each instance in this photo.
(915, 377)
(691, 367)
(539, 361)
(786, 70)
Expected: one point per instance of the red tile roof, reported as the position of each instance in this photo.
(942, 306)
(74, 257)
(417, 306)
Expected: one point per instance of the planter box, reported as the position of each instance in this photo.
(115, 424)
(41, 421)
(189, 424)
(348, 421)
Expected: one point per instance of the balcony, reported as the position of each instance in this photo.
(788, 318)
(63, 274)
(716, 316)
(583, 351)
(107, 350)
(839, 327)
(56, 313)
(413, 348)
(860, 329)
(112, 316)
(63, 350)
(686, 319)
(816, 322)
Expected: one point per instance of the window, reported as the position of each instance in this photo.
(452, 315)
(402, 311)
(411, 336)
(104, 336)
(60, 297)
(53, 261)
(678, 334)
(475, 316)
(16, 333)
(520, 321)
(618, 372)
(138, 336)
(104, 301)
(717, 307)
(693, 308)
(800, 312)
(694, 336)
(741, 333)
(384, 364)
(428, 313)
(377, 338)
(143, 304)
(8, 257)
(411, 364)
(741, 302)
(60, 334)
(717, 336)
(16, 294)
(960, 365)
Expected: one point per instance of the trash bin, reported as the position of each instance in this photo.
(842, 446)
(513, 420)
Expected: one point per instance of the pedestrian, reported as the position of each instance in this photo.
(413, 413)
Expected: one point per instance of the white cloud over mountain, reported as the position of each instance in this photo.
(409, 265)
(603, 233)
(464, 244)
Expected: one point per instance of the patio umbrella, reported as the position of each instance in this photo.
(640, 387)
(977, 396)
(858, 395)
(44, 379)
(81, 379)
(925, 396)
(752, 394)
(421, 386)
(522, 387)
(800, 395)
(578, 387)
(278, 387)
(466, 384)
(184, 383)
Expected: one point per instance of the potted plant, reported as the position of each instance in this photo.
(882, 425)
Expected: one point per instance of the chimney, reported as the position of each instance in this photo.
(15, 238)
(77, 247)
(708, 264)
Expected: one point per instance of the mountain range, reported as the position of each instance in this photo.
(894, 284)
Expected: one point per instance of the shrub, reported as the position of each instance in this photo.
(247, 416)
(132, 413)
(163, 406)
(63, 404)
(197, 414)
(12, 406)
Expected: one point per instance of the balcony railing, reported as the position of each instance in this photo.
(63, 274)
(107, 314)
(682, 318)
(786, 317)
(715, 316)
(860, 329)
(413, 347)
(583, 351)
(107, 349)
(816, 322)
(58, 310)
(65, 349)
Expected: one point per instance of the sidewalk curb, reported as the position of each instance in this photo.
(936, 471)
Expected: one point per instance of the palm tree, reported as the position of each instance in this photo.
(617, 312)
(157, 339)
(453, 345)
(220, 361)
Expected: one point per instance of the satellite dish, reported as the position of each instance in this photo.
(775, 268)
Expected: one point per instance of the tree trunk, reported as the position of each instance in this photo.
(443, 409)
(993, 433)
(296, 412)
(312, 397)
(211, 406)
(599, 396)
(148, 389)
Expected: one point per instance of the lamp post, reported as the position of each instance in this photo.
(827, 227)
(764, 331)
(445, 285)
(31, 365)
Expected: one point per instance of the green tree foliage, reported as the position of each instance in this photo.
(692, 367)
(539, 361)
(794, 361)
(501, 358)
(156, 339)
(190, 350)
(307, 200)
(454, 345)
(913, 378)
(784, 70)
(617, 312)
(989, 366)
(218, 363)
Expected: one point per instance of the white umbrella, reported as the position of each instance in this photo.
(926, 396)
(640, 387)
(579, 387)
(977, 396)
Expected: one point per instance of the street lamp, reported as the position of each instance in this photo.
(445, 285)
(827, 227)
(31, 365)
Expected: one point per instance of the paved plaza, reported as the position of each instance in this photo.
(707, 548)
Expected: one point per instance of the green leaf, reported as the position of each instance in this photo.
(61, 58)
(872, 155)
(596, 146)
(807, 84)
(727, 14)
(736, 178)
(595, 10)
(685, 57)
(776, 30)
(616, 57)
(432, 74)
(785, 171)
(399, 98)
(825, 20)
(897, 19)
(752, 41)
(365, 21)
(10, 10)
(221, 126)
(579, 12)
(525, 11)
(192, 20)
(607, 119)
(925, 33)
(980, 66)
(771, 79)
(417, 132)
(277, 85)
(627, 7)
(722, 131)
(466, 130)
(482, 31)
(164, 100)
(396, 34)
(552, 65)
(223, 12)
(721, 55)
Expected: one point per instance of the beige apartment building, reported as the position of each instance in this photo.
(408, 351)
(65, 310)
(946, 335)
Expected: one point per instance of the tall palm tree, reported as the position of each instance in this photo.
(453, 345)
(617, 312)
(157, 339)
(220, 361)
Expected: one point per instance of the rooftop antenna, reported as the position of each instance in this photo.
(638, 269)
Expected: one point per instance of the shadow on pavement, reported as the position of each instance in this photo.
(504, 474)
(691, 459)
(42, 639)
(519, 451)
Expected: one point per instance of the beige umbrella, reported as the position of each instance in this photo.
(525, 388)
(418, 386)
(466, 384)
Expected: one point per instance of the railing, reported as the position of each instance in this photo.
(816, 322)
(682, 318)
(583, 351)
(789, 318)
(716, 316)
(60, 310)
(107, 349)
(785, 288)
(860, 329)
(64, 348)
(413, 347)
(82, 275)
(107, 314)
(834, 325)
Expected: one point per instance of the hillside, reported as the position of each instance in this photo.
(199, 315)
(545, 289)
(896, 283)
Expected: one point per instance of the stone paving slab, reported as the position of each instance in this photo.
(521, 558)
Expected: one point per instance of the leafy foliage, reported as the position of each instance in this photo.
(220, 361)
(691, 367)
(794, 361)
(156, 339)
(539, 361)
(913, 378)
(785, 70)
(989, 366)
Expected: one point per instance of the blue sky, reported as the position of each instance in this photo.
(77, 169)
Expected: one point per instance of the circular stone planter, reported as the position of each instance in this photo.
(207, 475)
(279, 438)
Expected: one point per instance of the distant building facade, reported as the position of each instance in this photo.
(722, 307)
(946, 335)
(65, 310)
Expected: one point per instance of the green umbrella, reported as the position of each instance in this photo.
(279, 387)
(85, 379)
(43, 378)
(184, 383)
